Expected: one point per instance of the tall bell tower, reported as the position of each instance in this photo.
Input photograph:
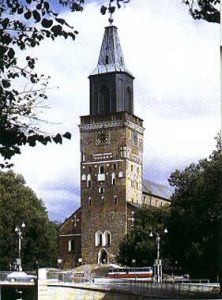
(111, 154)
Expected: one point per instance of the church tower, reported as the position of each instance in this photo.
(111, 154)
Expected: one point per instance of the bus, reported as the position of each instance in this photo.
(144, 273)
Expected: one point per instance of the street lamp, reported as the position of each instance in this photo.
(59, 262)
(158, 261)
(18, 230)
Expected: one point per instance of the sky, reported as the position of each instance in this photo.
(175, 61)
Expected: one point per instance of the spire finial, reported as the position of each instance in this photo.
(110, 19)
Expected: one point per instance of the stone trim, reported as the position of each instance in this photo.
(71, 234)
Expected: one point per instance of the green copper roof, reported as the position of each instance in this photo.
(111, 56)
(156, 189)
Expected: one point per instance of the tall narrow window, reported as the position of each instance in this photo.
(89, 201)
(107, 59)
(128, 100)
(71, 246)
(121, 102)
(115, 199)
(88, 181)
(101, 174)
(101, 170)
(107, 238)
(101, 190)
(113, 180)
(98, 238)
(104, 100)
(83, 157)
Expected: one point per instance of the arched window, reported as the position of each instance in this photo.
(89, 201)
(101, 170)
(104, 100)
(115, 199)
(88, 180)
(98, 238)
(121, 104)
(107, 238)
(101, 190)
(113, 180)
(83, 157)
(71, 246)
(101, 174)
(128, 99)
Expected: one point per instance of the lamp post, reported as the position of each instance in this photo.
(59, 262)
(158, 261)
(18, 230)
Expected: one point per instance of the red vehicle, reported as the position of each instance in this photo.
(142, 272)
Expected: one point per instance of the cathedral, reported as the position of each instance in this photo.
(111, 145)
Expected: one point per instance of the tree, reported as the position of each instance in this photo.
(23, 25)
(208, 10)
(138, 244)
(18, 203)
(196, 217)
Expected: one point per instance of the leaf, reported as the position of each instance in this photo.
(46, 5)
(36, 15)
(32, 143)
(103, 10)
(6, 83)
(5, 22)
(56, 29)
(61, 21)
(57, 139)
(39, 6)
(46, 23)
(20, 10)
(67, 135)
(11, 53)
(28, 15)
(111, 9)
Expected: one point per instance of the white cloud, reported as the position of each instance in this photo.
(176, 64)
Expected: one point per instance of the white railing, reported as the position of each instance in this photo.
(195, 287)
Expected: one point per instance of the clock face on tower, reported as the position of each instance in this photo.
(102, 137)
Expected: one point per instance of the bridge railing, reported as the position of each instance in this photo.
(194, 288)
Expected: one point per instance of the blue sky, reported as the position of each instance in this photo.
(175, 61)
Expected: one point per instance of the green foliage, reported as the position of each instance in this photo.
(111, 7)
(24, 25)
(138, 244)
(208, 10)
(18, 203)
(196, 217)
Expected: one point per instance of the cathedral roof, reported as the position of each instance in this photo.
(156, 189)
(111, 56)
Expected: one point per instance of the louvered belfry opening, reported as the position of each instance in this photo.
(111, 84)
